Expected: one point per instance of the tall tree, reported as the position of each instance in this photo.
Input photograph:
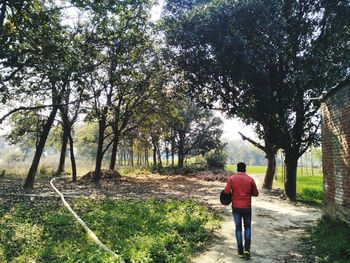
(259, 59)
(197, 131)
(121, 38)
(36, 58)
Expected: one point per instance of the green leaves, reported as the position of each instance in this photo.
(245, 54)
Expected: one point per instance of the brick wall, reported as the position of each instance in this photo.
(335, 112)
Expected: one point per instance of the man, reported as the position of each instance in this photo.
(243, 188)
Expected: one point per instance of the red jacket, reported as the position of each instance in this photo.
(243, 188)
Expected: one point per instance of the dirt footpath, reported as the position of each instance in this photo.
(277, 226)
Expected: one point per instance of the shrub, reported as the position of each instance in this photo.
(216, 160)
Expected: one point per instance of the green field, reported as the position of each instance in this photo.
(250, 169)
(262, 170)
(309, 188)
(140, 231)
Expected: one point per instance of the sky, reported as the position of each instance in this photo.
(232, 126)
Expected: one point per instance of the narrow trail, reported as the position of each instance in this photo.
(277, 226)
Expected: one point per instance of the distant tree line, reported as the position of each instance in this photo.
(101, 70)
(151, 85)
(238, 151)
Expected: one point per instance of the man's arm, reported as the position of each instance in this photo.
(255, 191)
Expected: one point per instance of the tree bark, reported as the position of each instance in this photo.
(270, 171)
(167, 155)
(160, 164)
(114, 151)
(154, 155)
(270, 150)
(181, 156)
(29, 182)
(99, 154)
(291, 164)
(72, 158)
(172, 157)
(61, 164)
(173, 150)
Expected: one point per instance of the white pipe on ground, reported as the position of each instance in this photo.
(88, 230)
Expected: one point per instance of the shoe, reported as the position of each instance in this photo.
(247, 254)
(241, 255)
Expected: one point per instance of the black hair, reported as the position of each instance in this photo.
(241, 167)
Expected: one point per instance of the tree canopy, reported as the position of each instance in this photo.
(260, 60)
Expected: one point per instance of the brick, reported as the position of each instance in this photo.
(335, 117)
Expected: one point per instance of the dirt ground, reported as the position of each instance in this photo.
(277, 224)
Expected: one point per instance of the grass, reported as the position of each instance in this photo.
(250, 169)
(262, 169)
(331, 241)
(139, 231)
(309, 188)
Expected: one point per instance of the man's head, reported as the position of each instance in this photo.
(241, 167)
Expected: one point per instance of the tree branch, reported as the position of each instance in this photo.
(33, 108)
(258, 145)
(109, 145)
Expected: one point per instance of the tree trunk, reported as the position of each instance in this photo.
(138, 158)
(270, 171)
(114, 151)
(172, 158)
(61, 164)
(181, 156)
(167, 156)
(154, 155)
(160, 164)
(99, 154)
(173, 151)
(131, 153)
(72, 158)
(291, 163)
(29, 183)
(146, 156)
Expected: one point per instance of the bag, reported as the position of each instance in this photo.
(225, 199)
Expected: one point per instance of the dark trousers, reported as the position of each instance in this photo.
(244, 214)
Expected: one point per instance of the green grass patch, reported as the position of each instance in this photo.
(262, 169)
(309, 188)
(250, 169)
(302, 171)
(331, 240)
(139, 231)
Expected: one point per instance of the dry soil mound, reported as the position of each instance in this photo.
(105, 174)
